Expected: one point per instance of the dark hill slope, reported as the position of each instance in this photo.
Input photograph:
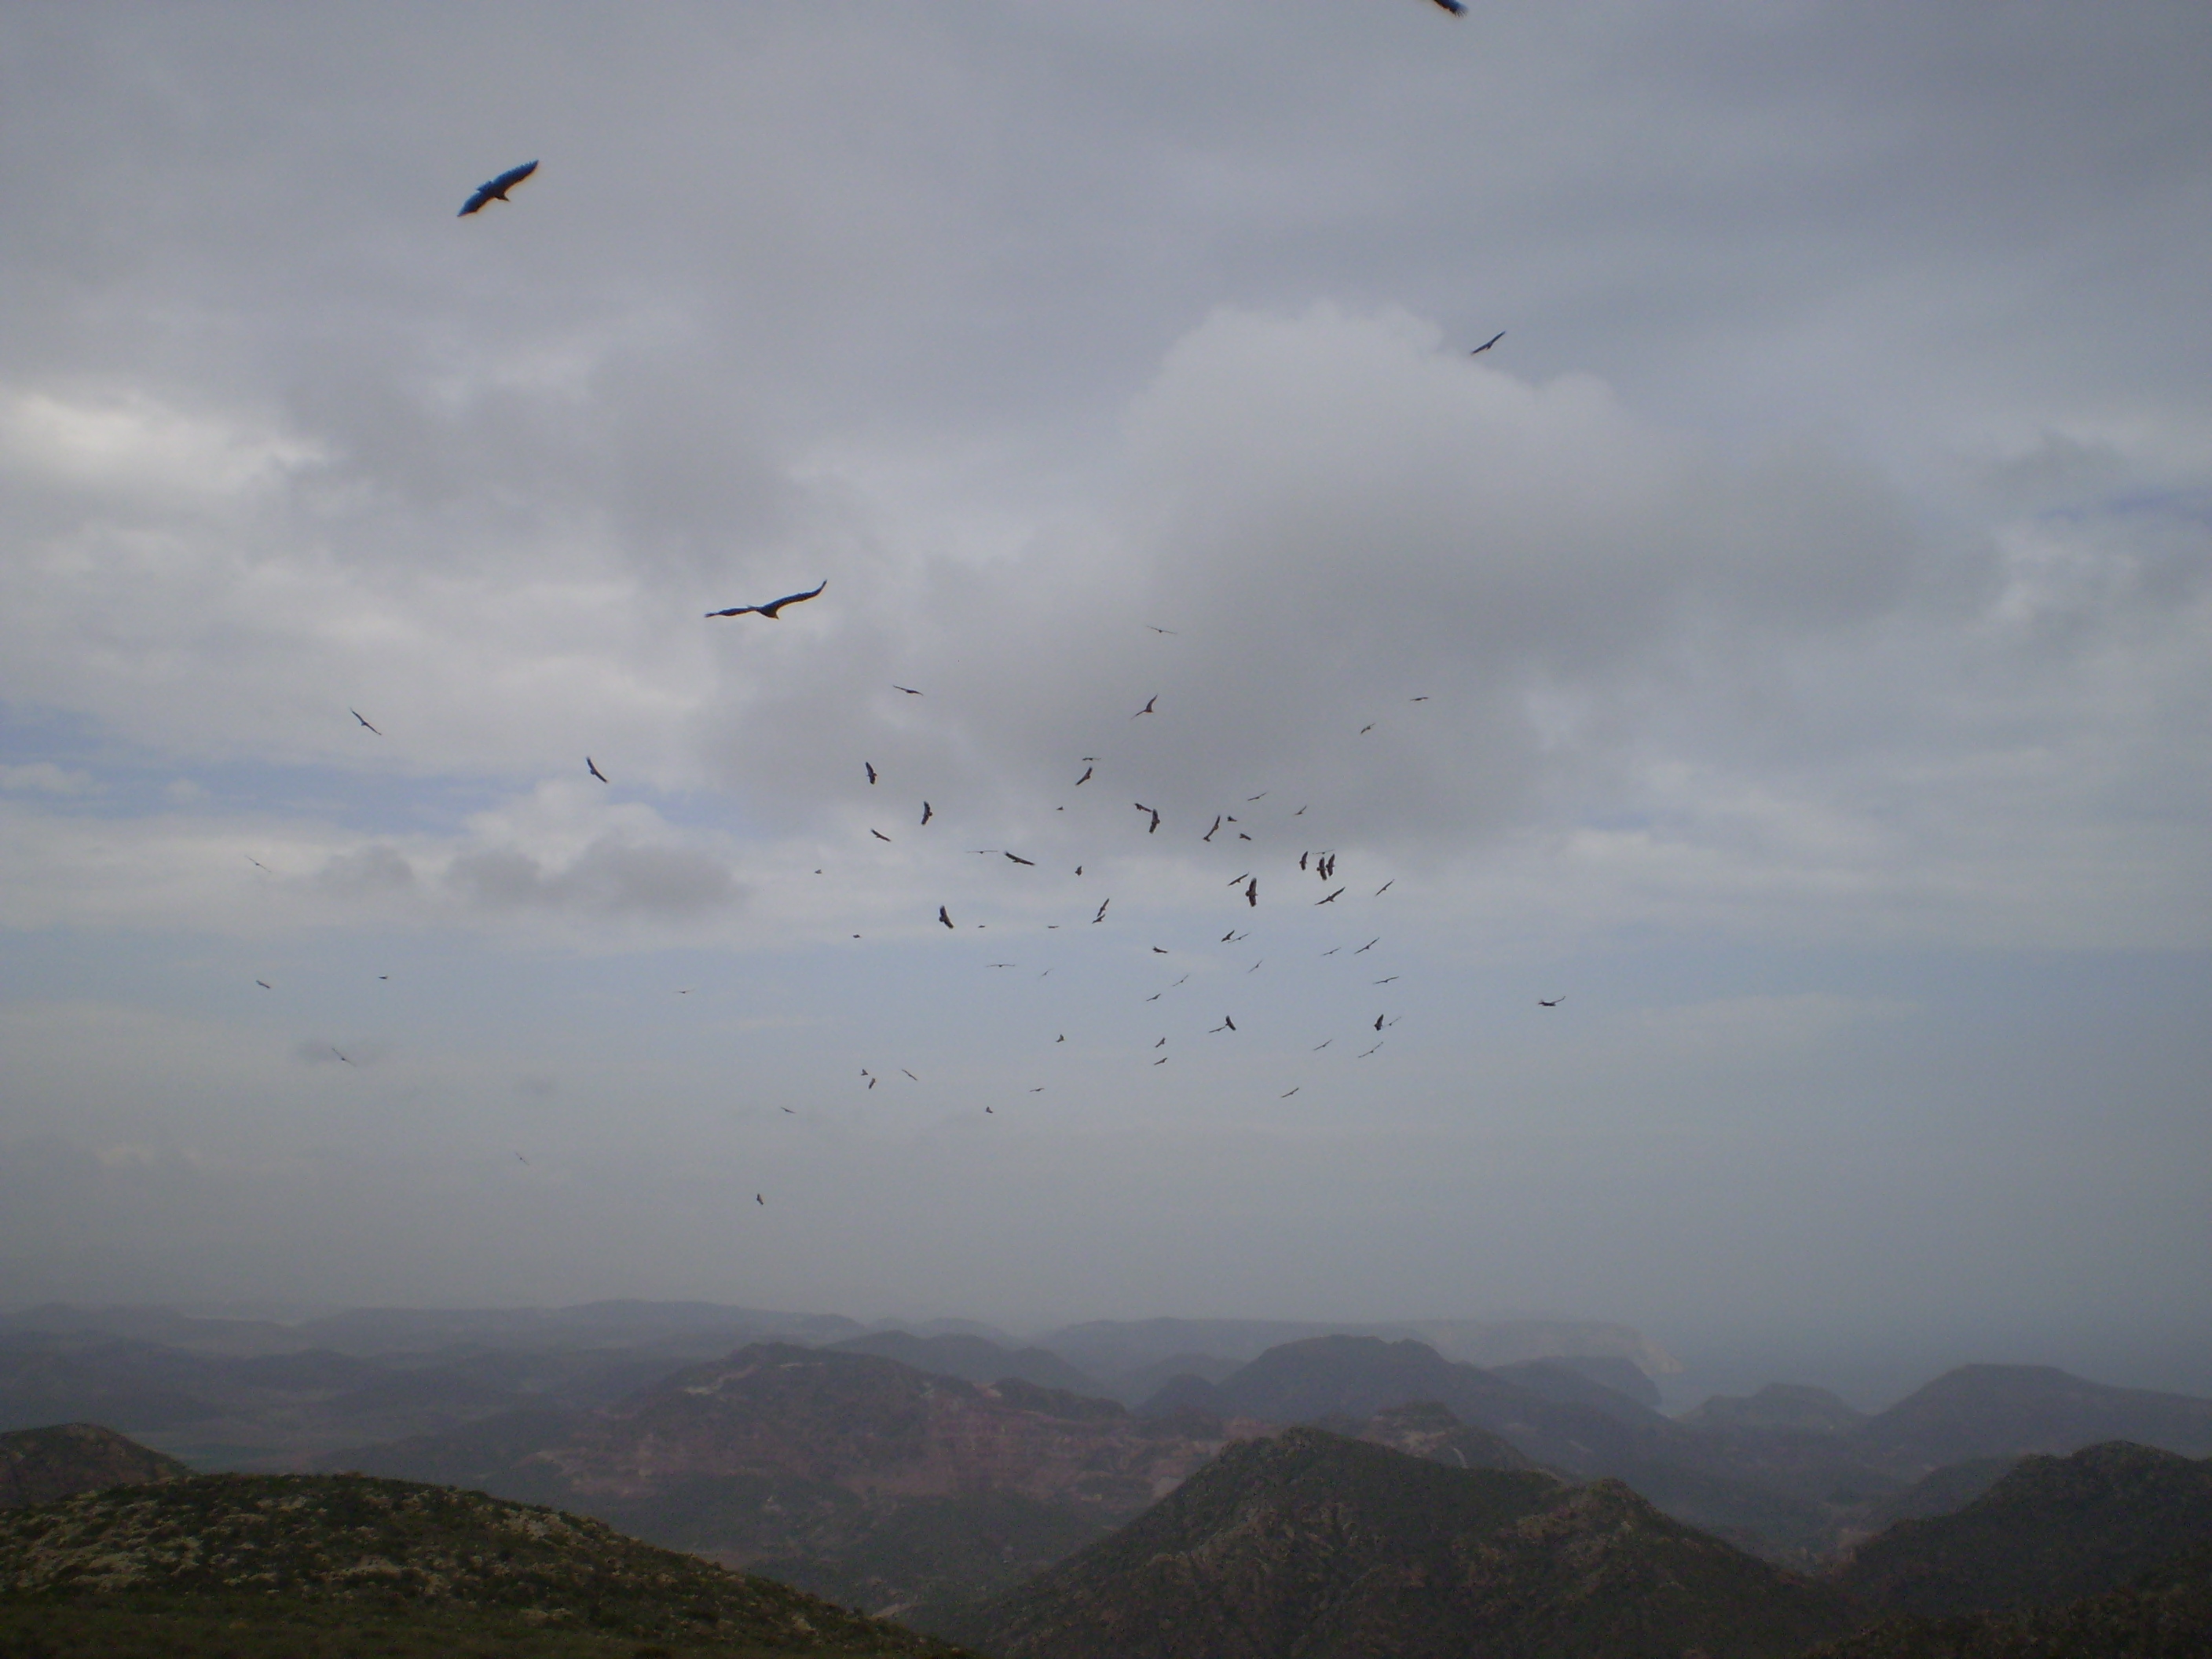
(2165, 1615)
(41, 1465)
(381, 1545)
(1314, 1546)
(2053, 1529)
(2004, 1411)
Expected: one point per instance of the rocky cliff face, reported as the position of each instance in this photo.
(881, 1431)
(40, 1466)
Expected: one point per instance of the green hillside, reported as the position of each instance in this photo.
(1311, 1546)
(253, 1562)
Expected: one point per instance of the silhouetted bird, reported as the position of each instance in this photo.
(908, 689)
(1018, 858)
(869, 766)
(1370, 945)
(772, 606)
(1252, 893)
(1153, 828)
(1331, 899)
(928, 812)
(593, 767)
(1158, 630)
(1209, 836)
(1287, 1093)
(1386, 887)
(1456, 8)
(1086, 778)
(495, 190)
(1477, 351)
(1365, 730)
(879, 834)
(1159, 950)
(942, 917)
(759, 1200)
(355, 712)
(1378, 1021)
(264, 984)
(1102, 904)
(1147, 709)
(1553, 1003)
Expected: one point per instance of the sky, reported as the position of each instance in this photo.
(1786, 651)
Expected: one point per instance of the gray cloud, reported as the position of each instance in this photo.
(608, 875)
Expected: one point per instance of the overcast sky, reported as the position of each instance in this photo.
(1789, 648)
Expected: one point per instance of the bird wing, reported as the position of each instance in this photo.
(774, 606)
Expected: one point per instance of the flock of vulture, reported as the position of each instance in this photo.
(1226, 831)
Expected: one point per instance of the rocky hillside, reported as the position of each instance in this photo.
(2165, 1615)
(380, 1545)
(1310, 1546)
(2053, 1529)
(39, 1466)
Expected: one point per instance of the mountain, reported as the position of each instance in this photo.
(1314, 1545)
(1112, 1350)
(1778, 1408)
(263, 1547)
(975, 1358)
(2052, 1529)
(1426, 1429)
(40, 1466)
(2001, 1411)
(851, 1474)
(2165, 1615)
(592, 1324)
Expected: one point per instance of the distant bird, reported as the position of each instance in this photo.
(1231, 934)
(356, 713)
(1254, 968)
(1159, 950)
(341, 1057)
(928, 811)
(1479, 349)
(1162, 1043)
(869, 766)
(1391, 981)
(908, 689)
(1378, 1021)
(942, 917)
(1364, 1053)
(522, 1160)
(879, 834)
(773, 605)
(258, 865)
(1370, 945)
(1323, 1044)
(1038, 1089)
(1455, 7)
(1331, 899)
(1288, 1093)
(1365, 729)
(1018, 858)
(1086, 778)
(1300, 813)
(1147, 709)
(495, 190)
(1236, 881)
(1101, 916)
(987, 1109)
(1158, 630)
(1424, 699)
(1162, 1060)
(593, 767)
(1553, 1003)
(1209, 836)
(909, 1074)
(1154, 828)
(759, 1200)
(264, 984)
(1302, 857)
(1386, 887)
(1252, 893)
(1062, 1037)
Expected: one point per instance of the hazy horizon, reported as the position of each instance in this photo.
(1789, 651)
